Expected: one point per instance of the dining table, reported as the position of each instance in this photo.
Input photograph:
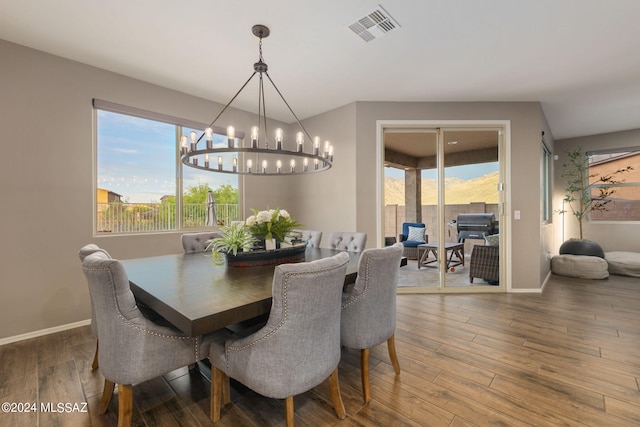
(198, 296)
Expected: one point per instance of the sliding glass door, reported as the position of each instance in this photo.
(448, 178)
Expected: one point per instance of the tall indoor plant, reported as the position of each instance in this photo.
(584, 193)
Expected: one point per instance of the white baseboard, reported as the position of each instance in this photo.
(526, 291)
(42, 332)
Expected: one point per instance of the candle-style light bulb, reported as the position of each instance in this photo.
(300, 141)
(292, 164)
(264, 166)
(315, 164)
(219, 163)
(231, 135)
(331, 152)
(249, 165)
(193, 136)
(279, 139)
(316, 145)
(206, 160)
(305, 164)
(183, 143)
(235, 164)
(209, 136)
(278, 166)
(254, 136)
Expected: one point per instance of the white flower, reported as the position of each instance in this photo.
(263, 216)
(284, 214)
(251, 220)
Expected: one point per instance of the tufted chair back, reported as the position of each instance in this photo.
(299, 347)
(312, 237)
(133, 349)
(346, 241)
(369, 310)
(84, 252)
(197, 242)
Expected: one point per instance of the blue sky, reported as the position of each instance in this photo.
(137, 159)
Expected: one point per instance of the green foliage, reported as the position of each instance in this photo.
(579, 192)
(196, 195)
(226, 195)
(234, 237)
(272, 223)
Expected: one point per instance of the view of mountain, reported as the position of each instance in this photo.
(457, 191)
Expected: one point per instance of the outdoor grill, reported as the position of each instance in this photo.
(476, 226)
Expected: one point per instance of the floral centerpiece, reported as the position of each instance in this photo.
(237, 241)
(271, 224)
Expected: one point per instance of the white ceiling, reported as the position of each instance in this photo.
(579, 58)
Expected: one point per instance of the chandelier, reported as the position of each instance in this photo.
(257, 156)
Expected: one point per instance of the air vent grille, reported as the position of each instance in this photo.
(375, 24)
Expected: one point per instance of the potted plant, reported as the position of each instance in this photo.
(582, 197)
(234, 238)
(273, 225)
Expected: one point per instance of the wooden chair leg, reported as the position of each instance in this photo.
(226, 391)
(334, 387)
(125, 404)
(391, 346)
(364, 374)
(94, 365)
(216, 393)
(107, 393)
(288, 409)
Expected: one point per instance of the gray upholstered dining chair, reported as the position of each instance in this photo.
(133, 348)
(347, 241)
(298, 348)
(369, 310)
(197, 242)
(312, 237)
(84, 252)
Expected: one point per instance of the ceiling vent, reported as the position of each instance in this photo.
(375, 24)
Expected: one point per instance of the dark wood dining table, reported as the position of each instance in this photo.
(198, 297)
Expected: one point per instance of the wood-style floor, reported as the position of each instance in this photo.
(570, 356)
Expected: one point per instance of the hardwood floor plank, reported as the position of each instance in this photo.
(60, 385)
(375, 414)
(496, 400)
(387, 388)
(406, 349)
(623, 410)
(568, 356)
(19, 382)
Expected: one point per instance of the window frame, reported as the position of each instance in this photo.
(179, 124)
(613, 151)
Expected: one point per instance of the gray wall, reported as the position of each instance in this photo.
(47, 181)
(47, 178)
(611, 236)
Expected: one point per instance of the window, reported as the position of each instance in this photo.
(141, 183)
(625, 195)
(545, 183)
